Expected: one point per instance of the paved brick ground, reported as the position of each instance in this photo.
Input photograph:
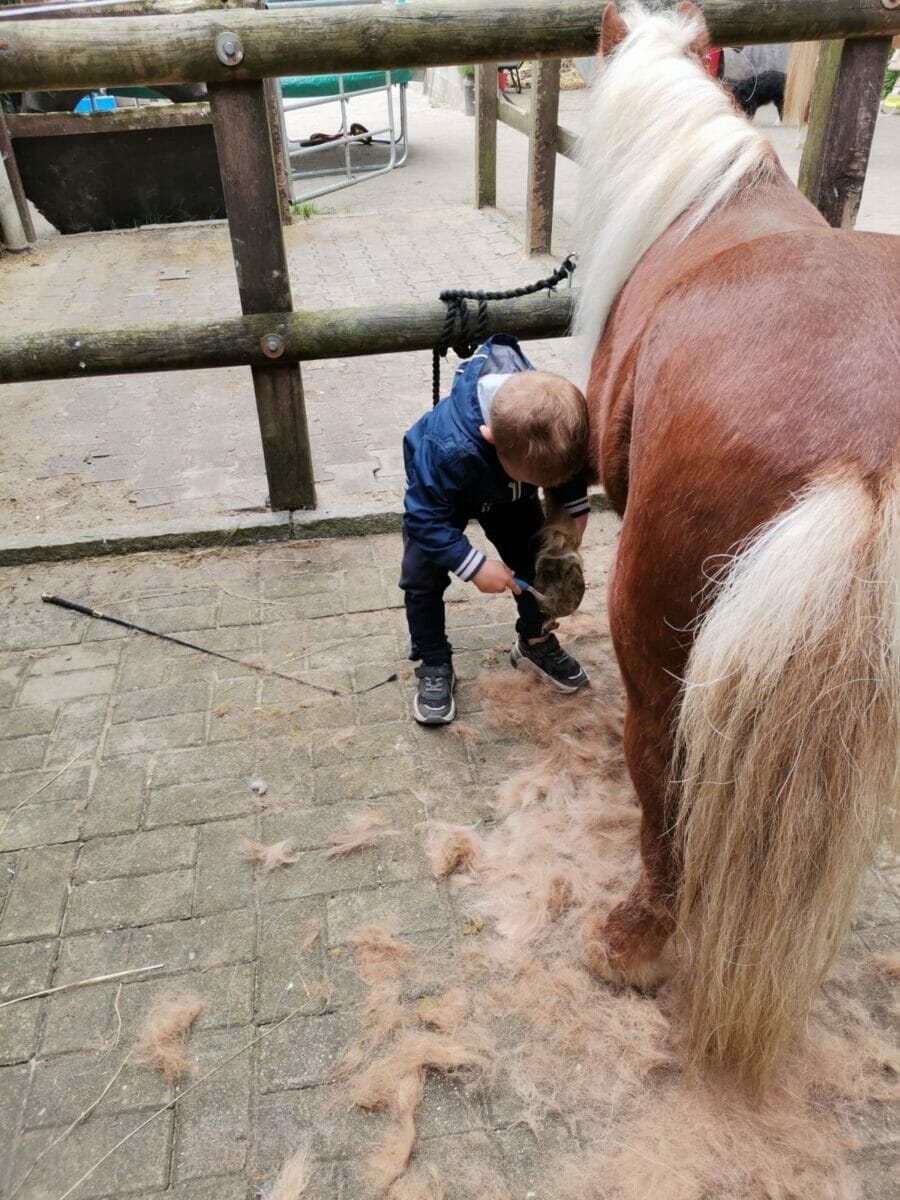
(129, 857)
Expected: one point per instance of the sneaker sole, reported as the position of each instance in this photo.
(516, 656)
(435, 720)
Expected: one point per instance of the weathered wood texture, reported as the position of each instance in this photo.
(15, 179)
(58, 10)
(845, 102)
(486, 135)
(516, 118)
(542, 155)
(236, 341)
(120, 120)
(136, 50)
(241, 125)
(279, 156)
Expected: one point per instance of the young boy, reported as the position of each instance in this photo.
(504, 430)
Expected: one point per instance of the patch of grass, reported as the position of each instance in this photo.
(309, 208)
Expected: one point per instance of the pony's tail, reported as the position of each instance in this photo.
(787, 751)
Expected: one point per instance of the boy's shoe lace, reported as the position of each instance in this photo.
(549, 659)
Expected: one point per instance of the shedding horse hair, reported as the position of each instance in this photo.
(744, 417)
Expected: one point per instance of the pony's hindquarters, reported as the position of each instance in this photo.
(787, 756)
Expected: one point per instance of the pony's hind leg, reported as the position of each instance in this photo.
(626, 947)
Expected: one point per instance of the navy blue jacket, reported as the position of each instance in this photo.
(452, 473)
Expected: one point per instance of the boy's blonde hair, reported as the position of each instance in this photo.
(539, 424)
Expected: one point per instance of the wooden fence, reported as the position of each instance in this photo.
(235, 50)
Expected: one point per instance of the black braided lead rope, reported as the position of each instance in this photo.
(466, 340)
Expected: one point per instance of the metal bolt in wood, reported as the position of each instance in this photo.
(229, 49)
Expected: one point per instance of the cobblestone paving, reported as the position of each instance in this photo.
(126, 767)
(128, 856)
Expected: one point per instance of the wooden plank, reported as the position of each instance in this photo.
(15, 179)
(845, 102)
(236, 341)
(517, 118)
(279, 156)
(135, 50)
(120, 120)
(542, 155)
(486, 135)
(65, 9)
(241, 126)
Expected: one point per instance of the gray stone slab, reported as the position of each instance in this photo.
(303, 1052)
(202, 942)
(204, 800)
(161, 702)
(36, 718)
(140, 1165)
(38, 894)
(224, 877)
(41, 825)
(404, 907)
(116, 798)
(23, 753)
(138, 900)
(212, 1123)
(158, 733)
(64, 1085)
(137, 854)
(68, 685)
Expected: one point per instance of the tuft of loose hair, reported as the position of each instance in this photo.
(886, 964)
(162, 1039)
(293, 1179)
(269, 858)
(364, 830)
(451, 848)
(465, 733)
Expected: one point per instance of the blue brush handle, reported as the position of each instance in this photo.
(520, 583)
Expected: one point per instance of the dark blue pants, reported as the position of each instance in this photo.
(514, 529)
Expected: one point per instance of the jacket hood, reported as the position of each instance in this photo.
(500, 355)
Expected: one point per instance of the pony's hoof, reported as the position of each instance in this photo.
(646, 975)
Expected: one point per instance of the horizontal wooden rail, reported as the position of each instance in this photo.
(120, 51)
(263, 339)
(517, 118)
(119, 120)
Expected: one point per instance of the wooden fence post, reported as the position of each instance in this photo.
(241, 125)
(845, 101)
(15, 179)
(486, 135)
(542, 155)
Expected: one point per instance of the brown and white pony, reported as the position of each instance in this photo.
(745, 398)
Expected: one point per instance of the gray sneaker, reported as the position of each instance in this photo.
(433, 703)
(549, 659)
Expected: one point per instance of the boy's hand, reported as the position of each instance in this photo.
(580, 524)
(494, 576)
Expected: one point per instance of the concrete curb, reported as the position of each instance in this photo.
(199, 534)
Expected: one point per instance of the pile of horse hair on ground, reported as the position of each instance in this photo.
(591, 1069)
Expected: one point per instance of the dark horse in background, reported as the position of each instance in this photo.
(743, 393)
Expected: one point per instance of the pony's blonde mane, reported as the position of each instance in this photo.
(662, 137)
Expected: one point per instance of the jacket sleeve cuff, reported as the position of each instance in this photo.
(470, 565)
(579, 507)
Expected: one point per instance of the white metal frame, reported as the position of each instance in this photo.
(396, 135)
